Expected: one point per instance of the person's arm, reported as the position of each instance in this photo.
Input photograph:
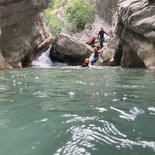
(106, 33)
(101, 53)
(83, 65)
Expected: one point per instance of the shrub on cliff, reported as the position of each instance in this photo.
(79, 13)
(55, 4)
(53, 22)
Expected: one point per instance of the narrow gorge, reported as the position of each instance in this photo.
(77, 77)
(23, 31)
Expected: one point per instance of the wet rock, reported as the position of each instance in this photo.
(3, 63)
(106, 57)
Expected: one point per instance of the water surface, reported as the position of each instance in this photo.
(71, 111)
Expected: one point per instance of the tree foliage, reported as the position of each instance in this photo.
(53, 22)
(79, 12)
(55, 4)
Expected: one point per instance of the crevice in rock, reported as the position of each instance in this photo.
(118, 54)
(130, 57)
(27, 60)
(59, 57)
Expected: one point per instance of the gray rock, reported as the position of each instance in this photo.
(136, 30)
(3, 63)
(69, 46)
(106, 9)
(106, 56)
(22, 29)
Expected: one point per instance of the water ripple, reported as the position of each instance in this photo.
(4, 123)
(134, 112)
(40, 94)
(86, 137)
(82, 119)
(152, 110)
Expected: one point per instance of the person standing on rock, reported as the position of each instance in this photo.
(101, 36)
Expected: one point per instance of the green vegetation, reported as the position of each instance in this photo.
(79, 12)
(55, 4)
(53, 22)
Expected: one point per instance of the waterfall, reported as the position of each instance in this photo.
(44, 61)
(91, 58)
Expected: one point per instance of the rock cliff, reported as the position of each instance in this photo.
(106, 9)
(136, 31)
(22, 31)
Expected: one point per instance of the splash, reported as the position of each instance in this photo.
(44, 61)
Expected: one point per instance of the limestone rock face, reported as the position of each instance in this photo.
(106, 9)
(3, 63)
(22, 30)
(71, 49)
(136, 31)
(70, 46)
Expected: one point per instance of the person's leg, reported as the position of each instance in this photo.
(101, 42)
(93, 61)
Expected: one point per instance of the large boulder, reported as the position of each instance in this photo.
(136, 31)
(70, 49)
(22, 31)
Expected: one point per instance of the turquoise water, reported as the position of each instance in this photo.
(69, 111)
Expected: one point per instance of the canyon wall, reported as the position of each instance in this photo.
(106, 9)
(136, 32)
(22, 31)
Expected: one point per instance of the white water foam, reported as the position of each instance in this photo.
(44, 61)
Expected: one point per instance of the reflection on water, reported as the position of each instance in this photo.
(73, 111)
